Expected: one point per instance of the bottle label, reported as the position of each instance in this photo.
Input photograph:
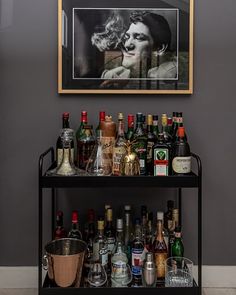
(110, 244)
(160, 259)
(60, 155)
(119, 269)
(137, 261)
(107, 144)
(149, 150)
(161, 162)
(181, 164)
(118, 152)
(103, 254)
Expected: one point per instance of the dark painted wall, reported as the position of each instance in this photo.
(31, 117)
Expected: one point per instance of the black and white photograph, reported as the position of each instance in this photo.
(118, 50)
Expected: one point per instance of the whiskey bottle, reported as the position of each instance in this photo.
(74, 231)
(140, 144)
(59, 145)
(130, 132)
(59, 232)
(161, 157)
(160, 251)
(151, 140)
(181, 163)
(119, 148)
(85, 145)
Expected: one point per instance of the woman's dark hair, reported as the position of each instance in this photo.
(157, 24)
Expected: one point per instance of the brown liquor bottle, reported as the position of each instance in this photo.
(160, 250)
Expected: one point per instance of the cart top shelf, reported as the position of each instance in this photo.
(173, 181)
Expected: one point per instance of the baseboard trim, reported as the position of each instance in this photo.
(27, 276)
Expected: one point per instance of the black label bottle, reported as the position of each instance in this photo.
(140, 144)
(161, 157)
(181, 163)
(151, 140)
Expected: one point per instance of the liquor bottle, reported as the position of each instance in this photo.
(164, 231)
(169, 125)
(119, 148)
(164, 130)
(59, 232)
(177, 248)
(140, 144)
(100, 248)
(160, 251)
(119, 260)
(155, 125)
(151, 140)
(144, 223)
(74, 231)
(171, 230)
(128, 232)
(144, 123)
(108, 128)
(179, 123)
(119, 232)
(173, 124)
(149, 235)
(110, 236)
(107, 206)
(161, 157)
(83, 122)
(85, 145)
(168, 215)
(59, 145)
(137, 255)
(89, 232)
(181, 163)
(102, 116)
(130, 132)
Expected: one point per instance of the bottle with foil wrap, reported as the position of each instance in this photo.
(149, 271)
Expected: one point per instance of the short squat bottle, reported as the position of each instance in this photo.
(161, 157)
(181, 163)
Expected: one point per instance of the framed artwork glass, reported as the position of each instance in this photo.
(127, 47)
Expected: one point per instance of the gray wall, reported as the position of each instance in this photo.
(31, 117)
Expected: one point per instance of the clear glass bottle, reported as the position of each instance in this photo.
(128, 232)
(119, 148)
(100, 248)
(74, 231)
(110, 236)
(99, 163)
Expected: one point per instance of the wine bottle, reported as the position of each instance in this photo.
(75, 232)
(59, 232)
(181, 163)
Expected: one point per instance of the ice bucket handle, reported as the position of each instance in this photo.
(45, 262)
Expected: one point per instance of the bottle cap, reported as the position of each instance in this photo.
(84, 116)
(100, 224)
(107, 206)
(108, 118)
(139, 117)
(149, 256)
(127, 207)
(119, 223)
(66, 115)
(181, 132)
(120, 116)
(164, 119)
(160, 215)
(169, 121)
(75, 216)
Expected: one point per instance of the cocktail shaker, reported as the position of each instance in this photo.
(149, 275)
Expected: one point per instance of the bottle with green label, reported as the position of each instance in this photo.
(140, 144)
(181, 163)
(161, 157)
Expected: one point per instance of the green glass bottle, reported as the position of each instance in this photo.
(140, 144)
(177, 248)
(161, 157)
(155, 128)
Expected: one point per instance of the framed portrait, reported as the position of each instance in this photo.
(125, 46)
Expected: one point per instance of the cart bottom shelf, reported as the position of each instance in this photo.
(49, 289)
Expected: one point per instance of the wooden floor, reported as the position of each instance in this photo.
(206, 291)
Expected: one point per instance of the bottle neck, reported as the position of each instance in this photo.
(127, 219)
(65, 123)
(75, 225)
(159, 230)
(121, 128)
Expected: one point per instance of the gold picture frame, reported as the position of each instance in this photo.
(94, 57)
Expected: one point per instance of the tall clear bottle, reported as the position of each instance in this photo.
(59, 145)
(119, 148)
(110, 236)
(160, 251)
(140, 144)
